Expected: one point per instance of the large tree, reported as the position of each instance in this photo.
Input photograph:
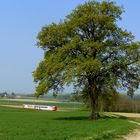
(89, 50)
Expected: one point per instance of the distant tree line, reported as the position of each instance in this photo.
(113, 103)
(125, 104)
(5, 94)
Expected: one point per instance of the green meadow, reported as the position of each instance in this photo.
(73, 124)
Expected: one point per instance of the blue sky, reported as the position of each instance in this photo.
(21, 20)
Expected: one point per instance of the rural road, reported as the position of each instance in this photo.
(32, 100)
(129, 115)
(135, 135)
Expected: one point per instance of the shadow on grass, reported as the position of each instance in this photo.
(87, 117)
(72, 118)
(113, 117)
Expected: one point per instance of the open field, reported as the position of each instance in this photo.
(20, 124)
(59, 104)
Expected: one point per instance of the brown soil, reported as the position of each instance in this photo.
(32, 100)
(135, 135)
(128, 115)
(12, 106)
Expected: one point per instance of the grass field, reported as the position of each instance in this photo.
(20, 124)
(61, 105)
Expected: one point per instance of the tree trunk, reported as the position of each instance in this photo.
(93, 100)
(94, 106)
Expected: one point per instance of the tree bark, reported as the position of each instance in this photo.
(93, 100)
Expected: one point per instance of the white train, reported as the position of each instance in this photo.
(40, 107)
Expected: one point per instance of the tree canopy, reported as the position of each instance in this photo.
(89, 50)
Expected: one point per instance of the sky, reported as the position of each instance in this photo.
(20, 22)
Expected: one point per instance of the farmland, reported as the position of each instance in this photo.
(71, 124)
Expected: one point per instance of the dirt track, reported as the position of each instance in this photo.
(128, 115)
(135, 135)
(12, 106)
(31, 100)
